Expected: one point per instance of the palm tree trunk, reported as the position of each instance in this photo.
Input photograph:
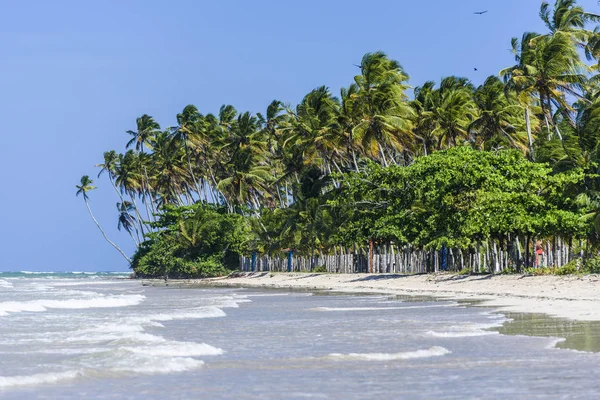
(385, 163)
(529, 137)
(104, 234)
(187, 153)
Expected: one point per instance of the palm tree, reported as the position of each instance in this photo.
(168, 172)
(499, 122)
(314, 129)
(110, 166)
(147, 128)
(83, 188)
(568, 19)
(385, 116)
(189, 121)
(271, 124)
(548, 68)
(426, 124)
(453, 111)
(127, 221)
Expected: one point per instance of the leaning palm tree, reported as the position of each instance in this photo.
(83, 188)
(127, 221)
(550, 69)
(567, 18)
(110, 166)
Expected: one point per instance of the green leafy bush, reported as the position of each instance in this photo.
(320, 268)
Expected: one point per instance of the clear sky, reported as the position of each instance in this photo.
(74, 76)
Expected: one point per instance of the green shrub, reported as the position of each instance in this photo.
(592, 266)
(320, 268)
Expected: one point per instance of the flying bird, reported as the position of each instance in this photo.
(475, 69)
(480, 12)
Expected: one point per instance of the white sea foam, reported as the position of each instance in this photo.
(35, 272)
(97, 302)
(266, 294)
(176, 349)
(434, 351)
(160, 365)
(228, 301)
(5, 284)
(460, 334)
(203, 312)
(554, 342)
(37, 379)
(380, 308)
(466, 330)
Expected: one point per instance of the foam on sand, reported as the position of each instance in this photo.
(467, 330)
(380, 308)
(37, 379)
(96, 302)
(435, 351)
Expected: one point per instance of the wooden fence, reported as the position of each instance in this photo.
(485, 257)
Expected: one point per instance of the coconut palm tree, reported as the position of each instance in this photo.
(499, 122)
(426, 124)
(110, 166)
(548, 68)
(453, 111)
(569, 19)
(385, 124)
(314, 129)
(147, 128)
(83, 188)
(188, 122)
(127, 221)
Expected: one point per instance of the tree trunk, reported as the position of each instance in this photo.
(104, 234)
(529, 137)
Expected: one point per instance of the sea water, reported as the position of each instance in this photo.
(102, 336)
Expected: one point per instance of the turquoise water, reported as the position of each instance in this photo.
(100, 336)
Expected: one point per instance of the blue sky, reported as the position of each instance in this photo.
(74, 75)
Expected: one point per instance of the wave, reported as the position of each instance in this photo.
(8, 307)
(203, 312)
(5, 284)
(228, 301)
(37, 379)
(160, 365)
(435, 351)
(460, 334)
(176, 349)
(380, 308)
(467, 330)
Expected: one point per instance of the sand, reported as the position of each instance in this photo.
(571, 297)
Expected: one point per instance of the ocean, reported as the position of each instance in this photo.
(102, 336)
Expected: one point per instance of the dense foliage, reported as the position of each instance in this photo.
(511, 163)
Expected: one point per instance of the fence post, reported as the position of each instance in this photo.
(371, 256)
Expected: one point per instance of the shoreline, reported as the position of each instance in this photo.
(569, 297)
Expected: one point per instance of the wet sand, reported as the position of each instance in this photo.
(569, 297)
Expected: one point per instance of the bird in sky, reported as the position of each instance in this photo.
(475, 69)
(480, 12)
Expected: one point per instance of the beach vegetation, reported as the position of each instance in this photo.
(450, 175)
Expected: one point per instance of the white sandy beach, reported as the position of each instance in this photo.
(572, 297)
